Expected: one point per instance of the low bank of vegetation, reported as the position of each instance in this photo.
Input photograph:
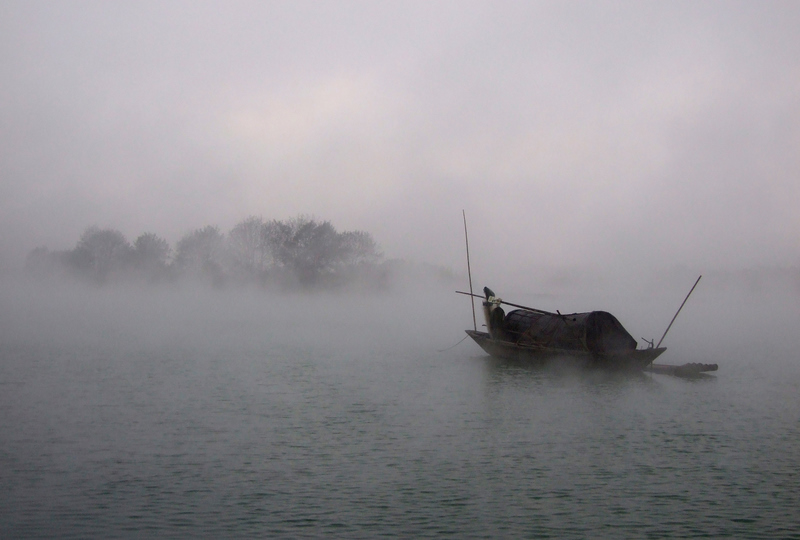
(296, 253)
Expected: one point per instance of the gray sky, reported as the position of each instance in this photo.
(617, 134)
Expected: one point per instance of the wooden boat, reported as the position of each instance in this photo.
(595, 339)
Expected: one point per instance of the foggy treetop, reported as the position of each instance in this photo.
(298, 252)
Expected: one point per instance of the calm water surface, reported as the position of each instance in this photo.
(256, 418)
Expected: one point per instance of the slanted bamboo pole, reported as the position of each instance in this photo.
(515, 305)
(676, 314)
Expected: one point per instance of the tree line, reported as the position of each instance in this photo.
(299, 252)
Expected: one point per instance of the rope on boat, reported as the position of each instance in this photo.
(454, 346)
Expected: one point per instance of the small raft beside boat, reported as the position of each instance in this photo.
(686, 370)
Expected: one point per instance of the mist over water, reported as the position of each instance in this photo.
(195, 412)
(604, 153)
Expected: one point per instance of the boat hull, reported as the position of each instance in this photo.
(634, 360)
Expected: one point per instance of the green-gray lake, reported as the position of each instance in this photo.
(235, 414)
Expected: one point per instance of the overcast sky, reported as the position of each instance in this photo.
(635, 134)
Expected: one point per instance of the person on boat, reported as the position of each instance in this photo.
(495, 316)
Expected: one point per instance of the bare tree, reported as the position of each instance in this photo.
(248, 248)
(151, 255)
(359, 247)
(315, 253)
(200, 253)
(99, 253)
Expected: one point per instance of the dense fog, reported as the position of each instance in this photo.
(628, 137)
(231, 238)
(739, 318)
(606, 154)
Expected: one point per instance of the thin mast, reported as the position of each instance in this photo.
(469, 272)
(676, 314)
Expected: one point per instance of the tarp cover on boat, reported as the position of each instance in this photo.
(596, 332)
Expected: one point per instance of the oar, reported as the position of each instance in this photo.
(676, 314)
(515, 305)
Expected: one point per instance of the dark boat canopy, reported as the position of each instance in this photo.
(597, 331)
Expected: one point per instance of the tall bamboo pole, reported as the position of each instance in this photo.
(469, 272)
